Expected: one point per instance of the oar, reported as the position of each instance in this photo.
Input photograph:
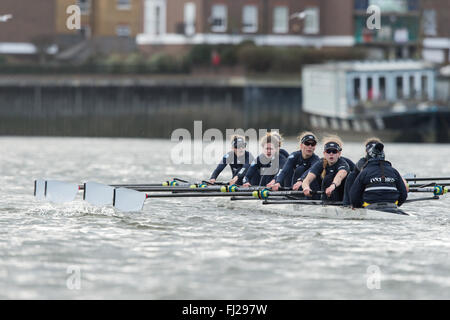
(422, 199)
(431, 184)
(55, 191)
(131, 200)
(429, 179)
(61, 191)
(301, 201)
(436, 190)
(101, 195)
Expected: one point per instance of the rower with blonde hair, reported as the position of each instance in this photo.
(267, 165)
(278, 135)
(297, 163)
(329, 173)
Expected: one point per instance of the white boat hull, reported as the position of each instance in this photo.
(316, 211)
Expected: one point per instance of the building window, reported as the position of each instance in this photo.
(399, 87)
(356, 89)
(219, 18)
(382, 88)
(250, 19)
(123, 30)
(429, 23)
(123, 4)
(280, 20)
(189, 18)
(312, 22)
(85, 6)
(157, 20)
(155, 17)
(391, 5)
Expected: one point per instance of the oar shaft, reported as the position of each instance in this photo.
(292, 193)
(428, 179)
(307, 202)
(176, 189)
(421, 185)
(199, 195)
(225, 194)
(152, 186)
(422, 199)
(130, 186)
(425, 189)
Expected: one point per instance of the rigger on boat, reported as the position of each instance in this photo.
(300, 180)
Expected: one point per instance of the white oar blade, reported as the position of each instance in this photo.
(409, 175)
(39, 189)
(60, 191)
(128, 200)
(98, 194)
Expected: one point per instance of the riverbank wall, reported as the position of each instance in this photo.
(144, 106)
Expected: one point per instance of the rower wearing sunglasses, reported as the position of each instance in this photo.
(297, 163)
(238, 159)
(329, 173)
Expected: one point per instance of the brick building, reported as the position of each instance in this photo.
(436, 30)
(409, 27)
(270, 22)
(32, 21)
(102, 17)
(24, 23)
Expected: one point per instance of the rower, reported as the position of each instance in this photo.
(297, 163)
(368, 144)
(378, 181)
(267, 165)
(329, 173)
(276, 134)
(238, 159)
(359, 165)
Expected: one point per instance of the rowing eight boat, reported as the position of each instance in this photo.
(129, 198)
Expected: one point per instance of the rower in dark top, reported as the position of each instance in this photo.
(267, 165)
(368, 144)
(378, 181)
(280, 138)
(238, 159)
(297, 163)
(329, 173)
(359, 165)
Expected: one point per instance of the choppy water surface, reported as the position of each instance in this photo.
(205, 248)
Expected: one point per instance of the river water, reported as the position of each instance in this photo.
(202, 248)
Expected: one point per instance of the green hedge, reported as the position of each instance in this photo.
(262, 59)
(291, 59)
(255, 59)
